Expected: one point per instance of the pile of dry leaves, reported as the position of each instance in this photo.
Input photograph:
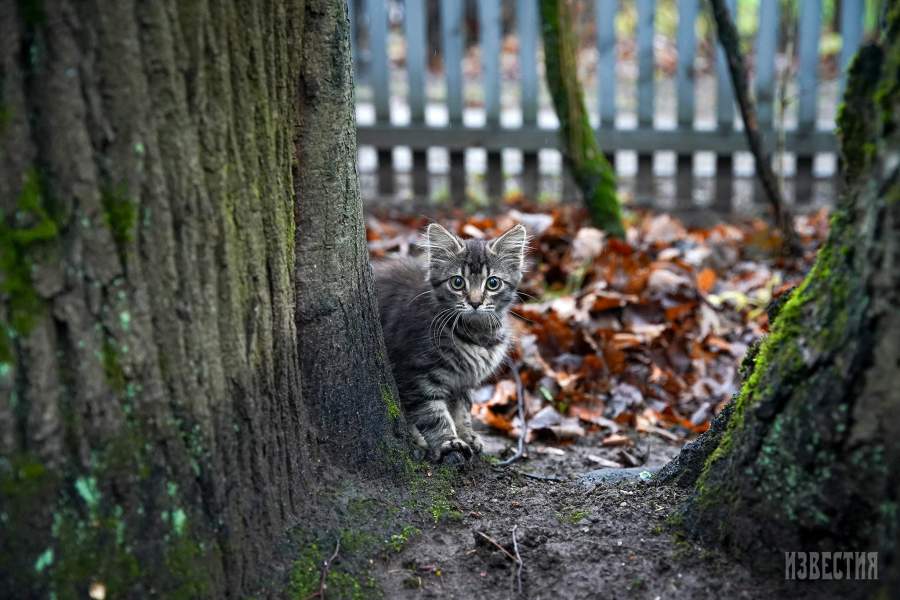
(644, 334)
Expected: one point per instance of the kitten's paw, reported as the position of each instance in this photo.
(453, 459)
(475, 443)
(454, 447)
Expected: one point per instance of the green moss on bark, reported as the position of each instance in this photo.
(20, 234)
(121, 215)
(805, 459)
(393, 407)
(61, 532)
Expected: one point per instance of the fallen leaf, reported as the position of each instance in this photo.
(616, 439)
(706, 279)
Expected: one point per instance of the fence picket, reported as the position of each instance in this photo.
(606, 65)
(684, 85)
(724, 122)
(527, 24)
(851, 33)
(808, 84)
(452, 47)
(452, 40)
(377, 17)
(646, 13)
(808, 73)
(766, 43)
(489, 28)
(414, 29)
(724, 95)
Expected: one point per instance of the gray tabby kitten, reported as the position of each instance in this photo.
(445, 327)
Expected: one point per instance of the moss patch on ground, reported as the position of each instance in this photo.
(372, 524)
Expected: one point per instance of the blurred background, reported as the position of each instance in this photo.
(453, 110)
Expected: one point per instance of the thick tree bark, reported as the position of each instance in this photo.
(581, 153)
(808, 459)
(158, 416)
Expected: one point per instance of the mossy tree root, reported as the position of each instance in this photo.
(808, 458)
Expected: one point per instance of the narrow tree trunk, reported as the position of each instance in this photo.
(581, 153)
(159, 398)
(808, 459)
(345, 373)
(731, 45)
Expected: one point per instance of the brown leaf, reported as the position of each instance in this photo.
(617, 439)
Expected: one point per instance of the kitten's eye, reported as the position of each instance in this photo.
(457, 282)
(493, 284)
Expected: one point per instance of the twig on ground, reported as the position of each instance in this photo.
(537, 476)
(326, 565)
(498, 546)
(519, 562)
(520, 402)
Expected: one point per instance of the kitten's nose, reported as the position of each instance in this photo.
(474, 304)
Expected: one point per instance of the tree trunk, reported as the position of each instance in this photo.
(176, 216)
(808, 458)
(581, 153)
(728, 36)
(343, 359)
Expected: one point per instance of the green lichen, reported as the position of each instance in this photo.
(43, 561)
(393, 407)
(121, 215)
(87, 489)
(179, 518)
(20, 234)
(67, 533)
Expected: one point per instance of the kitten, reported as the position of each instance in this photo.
(445, 326)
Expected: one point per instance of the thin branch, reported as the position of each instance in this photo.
(326, 565)
(520, 402)
(519, 562)
(730, 41)
(537, 476)
(496, 545)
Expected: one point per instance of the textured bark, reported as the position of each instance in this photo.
(731, 45)
(581, 153)
(155, 432)
(345, 372)
(809, 456)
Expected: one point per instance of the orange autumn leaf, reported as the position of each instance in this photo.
(706, 279)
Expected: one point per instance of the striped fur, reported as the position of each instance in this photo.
(446, 335)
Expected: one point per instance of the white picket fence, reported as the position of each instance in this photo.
(396, 108)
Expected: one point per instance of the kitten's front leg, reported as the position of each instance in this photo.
(435, 424)
(461, 410)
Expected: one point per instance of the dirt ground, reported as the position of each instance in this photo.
(574, 539)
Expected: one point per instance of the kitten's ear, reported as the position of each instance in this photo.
(510, 247)
(441, 244)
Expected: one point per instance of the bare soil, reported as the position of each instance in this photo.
(574, 540)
